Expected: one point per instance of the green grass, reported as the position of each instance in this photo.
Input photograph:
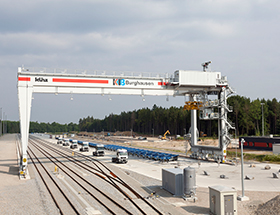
(255, 157)
(178, 151)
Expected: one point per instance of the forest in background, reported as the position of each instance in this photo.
(36, 127)
(247, 116)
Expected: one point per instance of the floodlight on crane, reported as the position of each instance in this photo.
(205, 65)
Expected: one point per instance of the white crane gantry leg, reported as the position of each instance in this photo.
(193, 122)
(24, 99)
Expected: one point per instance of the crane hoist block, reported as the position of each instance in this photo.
(193, 105)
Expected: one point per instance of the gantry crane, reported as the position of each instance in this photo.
(195, 84)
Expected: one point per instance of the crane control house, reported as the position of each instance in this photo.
(198, 85)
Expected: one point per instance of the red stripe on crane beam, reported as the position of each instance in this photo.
(66, 80)
(23, 78)
(161, 83)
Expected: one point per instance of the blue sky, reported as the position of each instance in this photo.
(241, 38)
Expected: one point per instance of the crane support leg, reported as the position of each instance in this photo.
(24, 99)
(223, 128)
(193, 123)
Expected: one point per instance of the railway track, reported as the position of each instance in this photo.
(59, 197)
(126, 201)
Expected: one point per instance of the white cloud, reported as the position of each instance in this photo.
(240, 37)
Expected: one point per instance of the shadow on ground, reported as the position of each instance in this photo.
(196, 210)
(13, 170)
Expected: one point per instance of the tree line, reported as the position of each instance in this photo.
(36, 127)
(247, 116)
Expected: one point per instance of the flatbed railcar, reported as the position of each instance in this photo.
(259, 143)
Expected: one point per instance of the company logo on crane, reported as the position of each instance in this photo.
(40, 79)
(120, 82)
(123, 82)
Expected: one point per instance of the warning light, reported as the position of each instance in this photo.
(24, 160)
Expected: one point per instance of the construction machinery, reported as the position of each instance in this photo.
(164, 136)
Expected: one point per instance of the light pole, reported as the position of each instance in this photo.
(103, 135)
(131, 137)
(262, 120)
(243, 197)
(6, 127)
(235, 147)
(242, 170)
(115, 135)
(3, 123)
(153, 136)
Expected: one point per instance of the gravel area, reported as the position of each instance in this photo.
(271, 207)
(26, 198)
(20, 196)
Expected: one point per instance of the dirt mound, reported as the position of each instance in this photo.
(272, 207)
